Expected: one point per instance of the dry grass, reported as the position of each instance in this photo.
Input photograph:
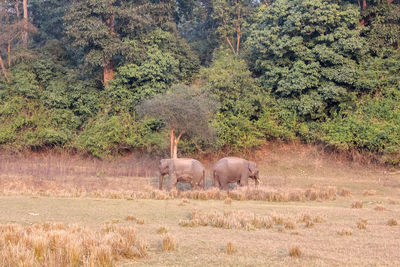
(135, 219)
(362, 224)
(295, 252)
(230, 248)
(379, 208)
(344, 192)
(235, 220)
(357, 205)
(57, 244)
(345, 232)
(319, 219)
(392, 202)
(168, 243)
(162, 230)
(289, 225)
(140, 188)
(309, 224)
(392, 222)
(228, 201)
(367, 193)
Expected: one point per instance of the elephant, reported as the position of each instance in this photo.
(234, 170)
(182, 170)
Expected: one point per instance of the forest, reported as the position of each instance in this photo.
(107, 77)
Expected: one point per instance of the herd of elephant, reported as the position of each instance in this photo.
(226, 170)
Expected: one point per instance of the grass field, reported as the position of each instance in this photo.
(358, 228)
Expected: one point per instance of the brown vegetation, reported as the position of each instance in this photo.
(345, 232)
(357, 205)
(168, 243)
(369, 193)
(379, 208)
(344, 192)
(230, 248)
(57, 244)
(133, 218)
(295, 252)
(162, 230)
(236, 220)
(362, 224)
(392, 222)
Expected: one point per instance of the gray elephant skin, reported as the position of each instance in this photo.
(182, 170)
(234, 170)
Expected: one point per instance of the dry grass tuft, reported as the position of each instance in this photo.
(362, 224)
(392, 222)
(367, 193)
(289, 225)
(379, 208)
(345, 232)
(228, 201)
(230, 248)
(228, 220)
(309, 224)
(295, 252)
(304, 218)
(162, 230)
(357, 205)
(344, 192)
(56, 244)
(168, 243)
(135, 219)
(319, 219)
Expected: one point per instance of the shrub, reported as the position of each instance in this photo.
(168, 243)
(230, 248)
(295, 252)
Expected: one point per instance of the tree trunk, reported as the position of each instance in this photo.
(108, 72)
(4, 70)
(238, 33)
(25, 33)
(174, 143)
(17, 9)
(9, 53)
(230, 44)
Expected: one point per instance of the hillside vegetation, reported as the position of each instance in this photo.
(74, 74)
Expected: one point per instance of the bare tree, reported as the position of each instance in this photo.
(184, 109)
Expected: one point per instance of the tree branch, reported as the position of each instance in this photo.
(3, 68)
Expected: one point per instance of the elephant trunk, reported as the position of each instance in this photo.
(256, 179)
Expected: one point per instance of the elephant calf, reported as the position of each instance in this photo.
(182, 170)
(234, 170)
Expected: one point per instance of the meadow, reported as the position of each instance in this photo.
(312, 209)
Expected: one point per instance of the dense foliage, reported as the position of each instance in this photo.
(74, 74)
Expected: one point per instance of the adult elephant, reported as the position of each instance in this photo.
(182, 170)
(234, 170)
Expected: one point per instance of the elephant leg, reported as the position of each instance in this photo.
(216, 181)
(160, 182)
(244, 180)
(173, 180)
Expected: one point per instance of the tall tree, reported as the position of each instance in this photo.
(90, 24)
(231, 16)
(184, 110)
(307, 54)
